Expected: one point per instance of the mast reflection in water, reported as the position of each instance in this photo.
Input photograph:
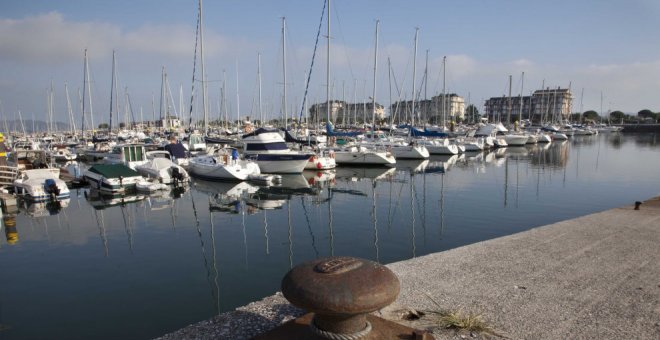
(153, 264)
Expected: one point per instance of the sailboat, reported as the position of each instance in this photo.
(354, 154)
(401, 148)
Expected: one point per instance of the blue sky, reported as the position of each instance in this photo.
(607, 46)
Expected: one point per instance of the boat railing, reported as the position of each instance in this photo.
(8, 174)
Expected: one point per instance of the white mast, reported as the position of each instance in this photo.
(238, 99)
(204, 85)
(413, 77)
(444, 112)
(522, 84)
(69, 109)
(373, 97)
(286, 116)
(261, 112)
(327, 72)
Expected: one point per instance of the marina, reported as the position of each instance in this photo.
(157, 262)
(183, 169)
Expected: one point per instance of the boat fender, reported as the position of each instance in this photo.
(319, 165)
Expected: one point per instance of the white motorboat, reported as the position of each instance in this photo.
(39, 185)
(269, 150)
(223, 167)
(163, 170)
(112, 178)
(360, 155)
(62, 155)
(440, 146)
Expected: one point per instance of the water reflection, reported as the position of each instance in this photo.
(233, 241)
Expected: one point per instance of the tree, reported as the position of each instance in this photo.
(617, 116)
(122, 125)
(646, 113)
(590, 115)
(472, 113)
(576, 117)
(103, 126)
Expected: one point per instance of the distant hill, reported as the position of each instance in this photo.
(31, 126)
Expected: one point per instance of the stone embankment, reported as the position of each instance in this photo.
(597, 277)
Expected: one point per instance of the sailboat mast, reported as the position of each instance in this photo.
(69, 108)
(112, 91)
(373, 98)
(238, 98)
(201, 56)
(286, 116)
(508, 111)
(414, 76)
(522, 85)
(327, 72)
(82, 126)
(89, 95)
(261, 112)
(444, 112)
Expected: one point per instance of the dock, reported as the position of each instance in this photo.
(596, 276)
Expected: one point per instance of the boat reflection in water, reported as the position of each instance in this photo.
(47, 208)
(101, 201)
(355, 174)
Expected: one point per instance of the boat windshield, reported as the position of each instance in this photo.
(278, 146)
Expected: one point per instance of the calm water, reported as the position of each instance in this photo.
(135, 270)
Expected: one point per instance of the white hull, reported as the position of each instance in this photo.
(321, 163)
(41, 185)
(283, 166)
(516, 140)
(362, 156)
(164, 171)
(238, 170)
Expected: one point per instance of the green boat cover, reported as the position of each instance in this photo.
(113, 170)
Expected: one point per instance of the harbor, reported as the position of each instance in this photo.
(590, 277)
(211, 247)
(328, 169)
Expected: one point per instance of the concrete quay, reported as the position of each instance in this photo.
(595, 277)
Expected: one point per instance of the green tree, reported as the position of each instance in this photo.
(590, 115)
(103, 126)
(576, 117)
(617, 116)
(122, 125)
(472, 114)
(646, 113)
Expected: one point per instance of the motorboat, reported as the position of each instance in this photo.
(38, 185)
(131, 155)
(361, 155)
(269, 150)
(225, 166)
(163, 170)
(112, 178)
(62, 155)
(439, 146)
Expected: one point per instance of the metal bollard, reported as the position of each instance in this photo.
(341, 292)
(637, 204)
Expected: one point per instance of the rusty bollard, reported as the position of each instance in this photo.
(341, 292)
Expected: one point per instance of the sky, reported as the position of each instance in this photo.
(596, 47)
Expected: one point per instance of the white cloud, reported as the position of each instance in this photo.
(48, 38)
(51, 39)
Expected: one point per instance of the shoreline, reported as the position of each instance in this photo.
(594, 276)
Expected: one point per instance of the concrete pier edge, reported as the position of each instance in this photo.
(595, 276)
